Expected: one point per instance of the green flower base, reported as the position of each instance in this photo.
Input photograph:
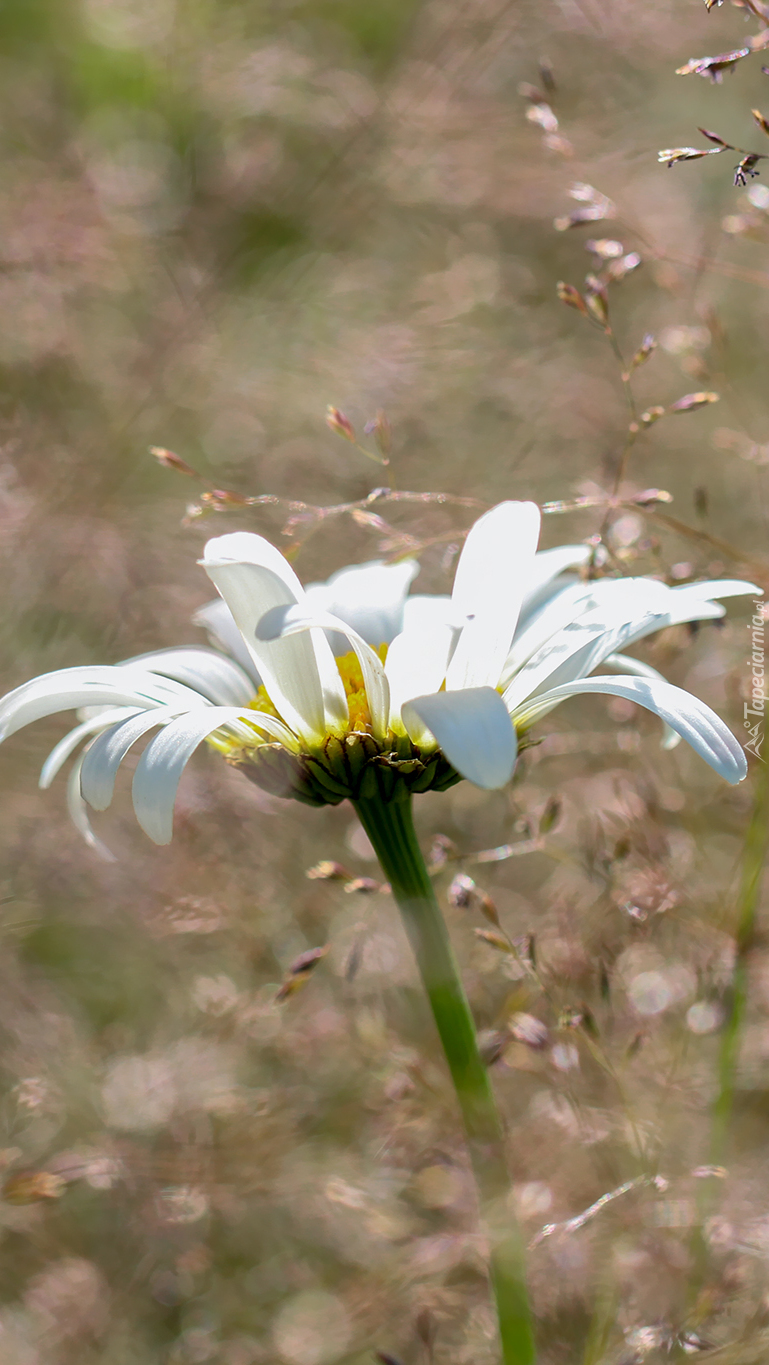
(352, 768)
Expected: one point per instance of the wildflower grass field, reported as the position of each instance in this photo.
(313, 285)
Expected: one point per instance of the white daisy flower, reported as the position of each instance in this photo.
(353, 689)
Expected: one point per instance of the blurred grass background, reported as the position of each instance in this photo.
(216, 218)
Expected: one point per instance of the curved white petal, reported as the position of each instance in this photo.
(160, 767)
(66, 746)
(300, 675)
(679, 612)
(67, 689)
(614, 602)
(609, 602)
(695, 601)
(218, 621)
(547, 566)
(79, 814)
(601, 623)
(473, 729)
(216, 677)
(544, 623)
(104, 756)
(416, 665)
(489, 587)
(425, 611)
(718, 587)
(368, 597)
(283, 623)
(670, 739)
(684, 713)
(604, 618)
(547, 595)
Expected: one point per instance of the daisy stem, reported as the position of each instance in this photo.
(390, 827)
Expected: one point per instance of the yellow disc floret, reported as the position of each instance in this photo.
(355, 691)
(261, 702)
(354, 687)
(341, 765)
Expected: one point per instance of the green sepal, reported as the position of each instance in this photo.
(353, 767)
(424, 780)
(326, 781)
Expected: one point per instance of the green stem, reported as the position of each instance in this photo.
(753, 861)
(390, 828)
(756, 840)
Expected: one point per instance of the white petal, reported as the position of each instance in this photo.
(694, 602)
(642, 603)
(244, 547)
(718, 587)
(66, 746)
(546, 596)
(473, 729)
(98, 685)
(416, 664)
(161, 765)
(300, 675)
(686, 714)
(103, 758)
(637, 669)
(283, 623)
(547, 566)
(423, 610)
(604, 618)
(489, 587)
(544, 623)
(216, 677)
(217, 619)
(79, 814)
(602, 623)
(368, 597)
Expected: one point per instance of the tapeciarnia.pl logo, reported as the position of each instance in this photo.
(754, 710)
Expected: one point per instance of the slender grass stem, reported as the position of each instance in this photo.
(753, 861)
(390, 828)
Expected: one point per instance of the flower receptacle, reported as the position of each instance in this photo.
(354, 767)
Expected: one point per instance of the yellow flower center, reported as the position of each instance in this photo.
(355, 691)
(337, 767)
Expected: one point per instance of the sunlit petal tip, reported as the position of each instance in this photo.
(670, 740)
(719, 587)
(489, 587)
(300, 674)
(474, 730)
(237, 547)
(70, 689)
